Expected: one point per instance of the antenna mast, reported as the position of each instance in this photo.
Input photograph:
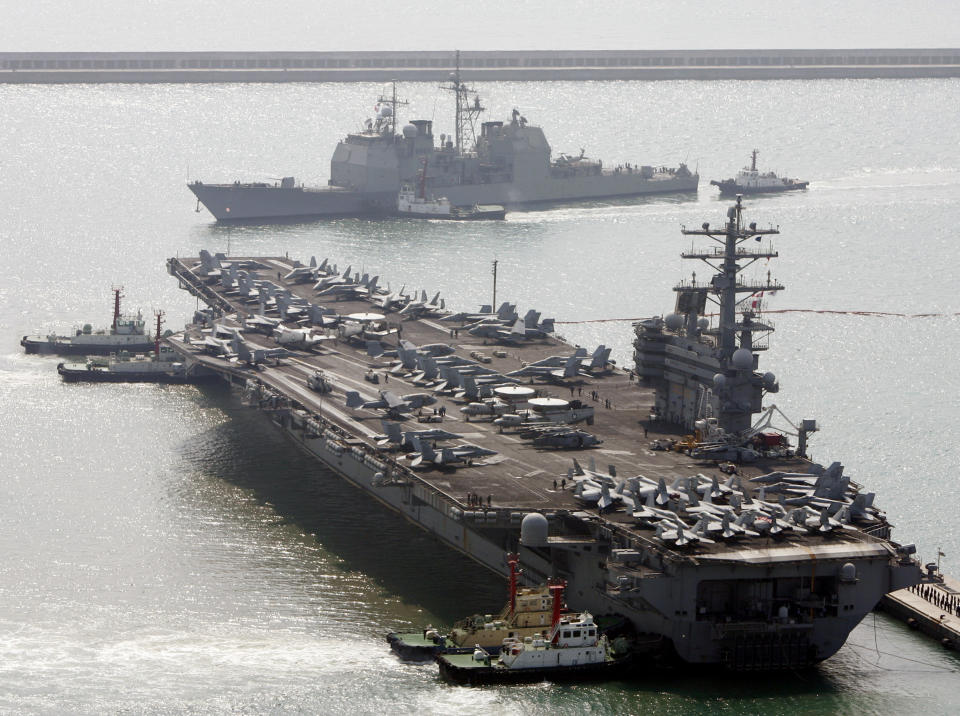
(739, 389)
(494, 305)
(466, 111)
(392, 102)
(117, 295)
(156, 340)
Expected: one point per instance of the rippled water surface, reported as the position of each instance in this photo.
(164, 549)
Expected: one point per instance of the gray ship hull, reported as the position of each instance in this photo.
(246, 202)
(250, 202)
(661, 604)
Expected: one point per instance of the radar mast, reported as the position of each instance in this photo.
(468, 108)
(738, 388)
(389, 100)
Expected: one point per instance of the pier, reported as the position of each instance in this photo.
(516, 65)
(932, 608)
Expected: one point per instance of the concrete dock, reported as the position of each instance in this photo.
(932, 608)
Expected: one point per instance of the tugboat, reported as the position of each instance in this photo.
(164, 366)
(415, 203)
(573, 650)
(750, 181)
(125, 333)
(526, 614)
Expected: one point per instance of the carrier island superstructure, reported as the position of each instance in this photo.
(507, 163)
(769, 568)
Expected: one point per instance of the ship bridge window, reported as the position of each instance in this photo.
(566, 634)
(592, 632)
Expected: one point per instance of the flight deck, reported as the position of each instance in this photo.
(518, 476)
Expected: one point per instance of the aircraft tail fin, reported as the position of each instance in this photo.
(353, 399)
(392, 431)
(547, 325)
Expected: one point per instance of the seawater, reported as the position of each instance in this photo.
(166, 550)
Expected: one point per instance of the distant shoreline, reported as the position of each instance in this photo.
(513, 65)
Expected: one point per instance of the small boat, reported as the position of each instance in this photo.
(750, 181)
(127, 333)
(163, 366)
(528, 612)
(573, 650)
(415, 202)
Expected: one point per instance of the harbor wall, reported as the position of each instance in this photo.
(424, 66)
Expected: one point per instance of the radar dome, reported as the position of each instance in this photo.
(769, 379)
(674, 321)
(848, 572)
(386, 111)
(410, 131)
(719, 380)
(703, 324)
(533, 530)
(742, 359)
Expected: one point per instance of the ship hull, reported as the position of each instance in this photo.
(43, 346)
(250, 202)
(76, 375)
(731, 188)
(261, 202)
(665, 607)
(479, 674)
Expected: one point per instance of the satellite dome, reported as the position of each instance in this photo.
(719, 380)
(410, 131)
(769, 379)
(848, 572)
(533, 530)
(742, 359)
(674, 321)
(386, 111)
(703, 324)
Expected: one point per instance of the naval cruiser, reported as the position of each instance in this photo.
(508, 164)
(768, 568)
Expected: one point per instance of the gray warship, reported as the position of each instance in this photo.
(508, 163)
(707, 526)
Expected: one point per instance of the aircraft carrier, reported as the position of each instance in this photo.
(508, 163)
(768, 568)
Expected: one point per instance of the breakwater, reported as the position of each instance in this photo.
(515, 65)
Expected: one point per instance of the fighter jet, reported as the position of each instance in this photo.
(678, 533)
(391, 402)
(566, 439)
(485, 408)
(252, 355)
(261, 324)
(298, 337)
(426, 455)
(394, 438)
(507, 313)
(303, 274)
